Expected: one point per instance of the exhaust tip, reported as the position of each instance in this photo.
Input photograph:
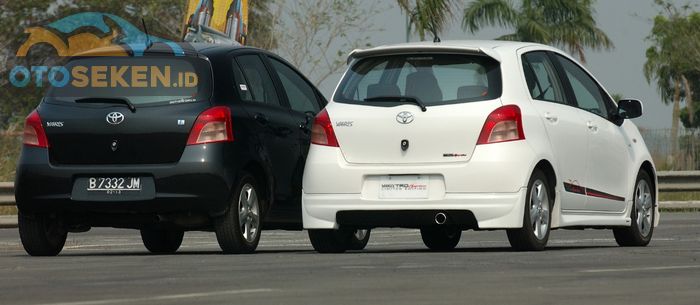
(440, 218)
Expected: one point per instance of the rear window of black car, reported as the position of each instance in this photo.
(434, 79)
(142, 80)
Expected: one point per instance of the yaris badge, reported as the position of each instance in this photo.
(404, 117)
(115, 118)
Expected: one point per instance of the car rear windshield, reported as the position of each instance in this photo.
(433, 79)
(141, 80)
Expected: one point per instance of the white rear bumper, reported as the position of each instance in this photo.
(491, 210)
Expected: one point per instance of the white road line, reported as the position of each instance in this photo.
(641, 269)
(165, 297)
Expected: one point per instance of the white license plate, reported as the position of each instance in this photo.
(114, 185)
(404, 187)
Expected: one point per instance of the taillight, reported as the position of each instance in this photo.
(34, 134)
(212, 126)
(322, 131)
(502, 125)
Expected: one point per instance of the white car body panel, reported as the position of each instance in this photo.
(489, 180)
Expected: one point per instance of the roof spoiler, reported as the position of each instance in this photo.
(411, 49)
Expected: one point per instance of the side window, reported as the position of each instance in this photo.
(301, 95)
(588, 95)
(240, 84)
(542, 79)
(258, 81)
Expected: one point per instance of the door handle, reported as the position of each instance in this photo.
(304, 125)
(592, 126)
(261, 118)
(550, 117)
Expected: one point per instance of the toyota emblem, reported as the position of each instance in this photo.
(404, 117)
(115, 118)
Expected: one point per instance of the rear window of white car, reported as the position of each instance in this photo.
(433, 79)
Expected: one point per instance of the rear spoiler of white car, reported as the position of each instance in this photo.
(411, 49)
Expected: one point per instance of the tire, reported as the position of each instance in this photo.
(359, 239)
(331, 241)
(534, 234)
(238, 231)
(162, 241)
(440, 238)
(42, 234)
(642, 213)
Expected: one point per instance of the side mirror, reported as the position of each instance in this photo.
(629, 108)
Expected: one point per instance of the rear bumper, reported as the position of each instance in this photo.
(491, 186)
(490, 210)
(199, 183)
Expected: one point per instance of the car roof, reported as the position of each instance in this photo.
(491, 48)
(188, 49)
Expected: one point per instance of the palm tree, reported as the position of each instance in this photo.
(667, 61)
(428, 16)
(569, 23)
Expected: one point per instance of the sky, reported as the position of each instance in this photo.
(626, 22)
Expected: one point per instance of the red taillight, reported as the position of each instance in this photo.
(502, 125)
(322, 131)
(212, 126)
(34, 134)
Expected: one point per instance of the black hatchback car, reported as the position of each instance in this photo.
(210, 138)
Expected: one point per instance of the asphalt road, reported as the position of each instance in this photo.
(108, 266)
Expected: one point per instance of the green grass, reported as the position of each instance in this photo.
(680, 196)
(8, 210)
(10, 147)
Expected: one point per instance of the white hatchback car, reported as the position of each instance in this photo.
(478, 135)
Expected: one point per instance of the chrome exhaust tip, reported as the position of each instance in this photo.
(440, 218)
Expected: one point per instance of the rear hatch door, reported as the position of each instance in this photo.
(377, 113)
(126, 110)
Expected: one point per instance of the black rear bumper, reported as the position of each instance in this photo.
(200, 183)
(463, 219)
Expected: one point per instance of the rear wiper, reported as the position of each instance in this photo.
(108, 100)
(400, 99)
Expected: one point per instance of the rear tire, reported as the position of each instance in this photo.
(331, 241)
(534, 234)
(359, 239)
(440, 238)
(238, 231)
(162, 241)
(642, 213)
(42, 234)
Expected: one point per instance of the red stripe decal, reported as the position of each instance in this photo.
(577, 189)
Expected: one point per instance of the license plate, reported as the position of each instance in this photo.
(114, 185)
(111, 189)
(404, 187)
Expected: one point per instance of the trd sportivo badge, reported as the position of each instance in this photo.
(115, 118)
(404, 117)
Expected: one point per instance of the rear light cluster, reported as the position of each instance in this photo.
(34, 134)
(322, 132)
(212, 126)
(502, 125)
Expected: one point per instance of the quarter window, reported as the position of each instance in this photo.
(259, 82)
(542, 79)
(241, 84)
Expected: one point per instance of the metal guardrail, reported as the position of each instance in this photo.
(675, 181)
(679, 181)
